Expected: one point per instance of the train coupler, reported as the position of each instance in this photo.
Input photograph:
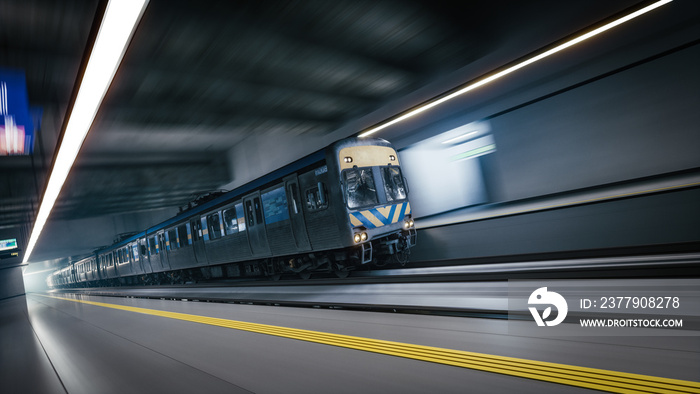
(366, 252)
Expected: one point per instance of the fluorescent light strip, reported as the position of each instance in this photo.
(461, 137)
(3, 98)
(24, 272)
(118, 24)
(516, 67)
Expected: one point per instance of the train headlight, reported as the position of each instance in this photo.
(363, 236)
(357, 238)
(348, 159)
(408, 224)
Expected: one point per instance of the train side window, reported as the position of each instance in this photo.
(317, 198)
(135, 252)
(258, 210)
(152, 249)
(293, 196)
(230, 221)
(142, 246)
(184, 235)
(172, 237)
(275, 205)
(196, 231)
(214, 224)
(204, 228)
(249, 208)
(240, 214)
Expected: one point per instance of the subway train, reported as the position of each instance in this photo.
(336, 210)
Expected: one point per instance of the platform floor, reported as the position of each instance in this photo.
(61, 346)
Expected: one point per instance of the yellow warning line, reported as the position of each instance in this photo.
(592, 378)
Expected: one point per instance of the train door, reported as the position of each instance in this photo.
(117, 259)
(136, 258)
(296, 213)
(200, 252)
(165, 265)
(145, 258)
(257, 236)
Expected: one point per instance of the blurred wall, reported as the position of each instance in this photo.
(11, 283)
(640, 122)
(100, 231)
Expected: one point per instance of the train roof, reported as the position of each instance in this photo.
(230, 195)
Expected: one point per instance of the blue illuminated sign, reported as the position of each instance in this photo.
(8, 244)
(16, 126)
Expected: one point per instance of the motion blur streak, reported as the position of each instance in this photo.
(516, 67)
(118, 25)
(593, 378)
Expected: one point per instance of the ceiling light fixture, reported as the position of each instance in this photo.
(516, 67)
(118, 25)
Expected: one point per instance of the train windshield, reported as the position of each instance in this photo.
(393, 184)
(360, 188)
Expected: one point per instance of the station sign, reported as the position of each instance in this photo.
(8, 244)
(16, 125)
(8, 248)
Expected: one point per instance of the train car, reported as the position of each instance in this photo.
(65, 277)
(86, 273)
(333, 211)
(91, 272)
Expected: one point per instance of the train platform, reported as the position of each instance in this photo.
(88, 344)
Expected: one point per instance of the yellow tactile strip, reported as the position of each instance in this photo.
(592, 378)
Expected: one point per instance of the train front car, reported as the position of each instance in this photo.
(377, 213)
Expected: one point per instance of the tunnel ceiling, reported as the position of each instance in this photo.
(202, 76)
